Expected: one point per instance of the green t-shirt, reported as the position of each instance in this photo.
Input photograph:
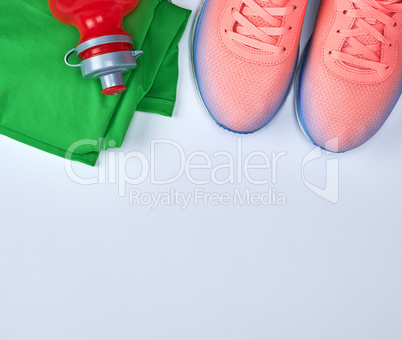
(48, 105)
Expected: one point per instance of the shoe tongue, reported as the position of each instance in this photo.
(367, 39)
(257, 20)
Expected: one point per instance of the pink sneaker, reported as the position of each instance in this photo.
(245, 52)
(351, 76)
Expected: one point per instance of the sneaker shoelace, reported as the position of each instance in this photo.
(259, 24)
(365, 40)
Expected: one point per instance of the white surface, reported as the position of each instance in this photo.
(79, 262)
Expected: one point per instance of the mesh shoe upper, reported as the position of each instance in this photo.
(342, 103)
(243, 86)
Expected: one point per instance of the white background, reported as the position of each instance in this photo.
(79, 262)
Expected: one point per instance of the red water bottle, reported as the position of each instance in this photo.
(105, 48)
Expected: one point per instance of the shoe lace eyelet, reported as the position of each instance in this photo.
(395, 24)
(345, 11)
(284, 49)
(294, 7)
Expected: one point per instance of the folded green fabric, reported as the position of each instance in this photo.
(45, 104)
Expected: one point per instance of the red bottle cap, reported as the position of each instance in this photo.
(110, 91)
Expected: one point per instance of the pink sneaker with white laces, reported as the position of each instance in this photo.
(351, 76)
(245, 53)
